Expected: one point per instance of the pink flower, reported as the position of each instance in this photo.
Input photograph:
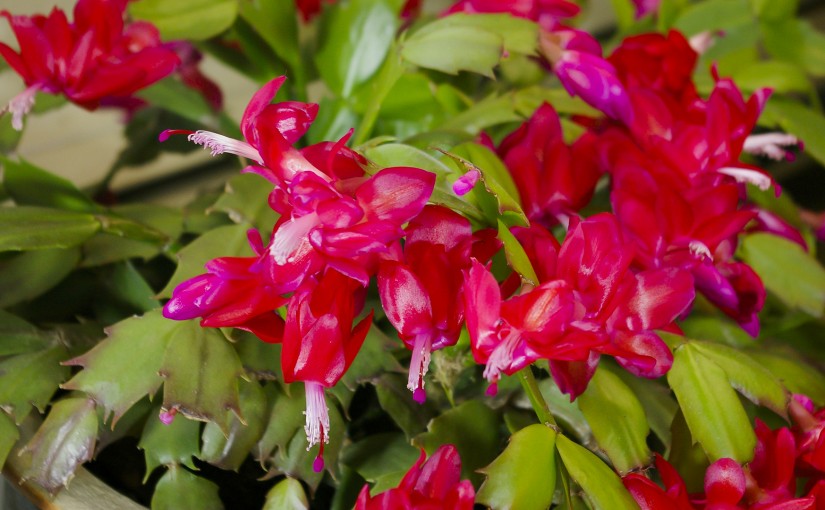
(236, 292)
(576, 58)
(432, 485)
(554, 180)
(92, 61)
(421, 293)
(319, 344)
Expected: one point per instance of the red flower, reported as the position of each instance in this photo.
(554, 180)
(507, 335)
(617, 304)
(320, 344)
(650, 496)
(432, 485)
(421, 294)
(94, 60)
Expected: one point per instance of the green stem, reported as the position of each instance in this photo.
(104, 184)
(528, 382)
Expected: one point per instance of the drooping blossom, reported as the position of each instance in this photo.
(320, 343)
(421, 293)
(235, 292)
(554, 180)
(662, 64)
(94, 60)
(433, 484)
(773, 480)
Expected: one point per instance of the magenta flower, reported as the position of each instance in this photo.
(432, 485)
(507, 335)
(235, 292)
(345, 225)
(588, 303)
(554, 180)
(576, 58)
(616, 303)
(320, 343)
(421, 293)
(94, 60)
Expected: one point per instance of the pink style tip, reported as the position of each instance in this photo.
(492, 390)
(167, 417)
(419, 395)
(318, 464)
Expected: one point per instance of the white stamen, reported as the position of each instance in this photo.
(317, 415)
(20, 106)
(220, 144)
(501, 357)
(770, 144)
(289, 236)
(698, 249)
(419, 364)
(758, 179)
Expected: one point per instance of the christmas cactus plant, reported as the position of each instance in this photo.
(467, 254)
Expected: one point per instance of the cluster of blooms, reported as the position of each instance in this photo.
(677, 194)
(96, 60)
(769, 481)
(336, 224)
(677, 182)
